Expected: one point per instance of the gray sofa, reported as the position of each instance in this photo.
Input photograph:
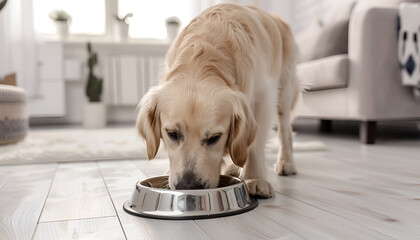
(365, 84)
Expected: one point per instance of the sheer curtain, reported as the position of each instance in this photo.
(18, 51)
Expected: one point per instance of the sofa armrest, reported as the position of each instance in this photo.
(374, 75)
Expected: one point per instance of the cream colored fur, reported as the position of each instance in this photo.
(229, 71)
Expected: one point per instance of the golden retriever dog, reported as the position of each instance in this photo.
(228, 72)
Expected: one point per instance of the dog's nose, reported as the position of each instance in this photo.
(189, 181)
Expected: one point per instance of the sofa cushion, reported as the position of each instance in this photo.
(326, 73)
(366, 4)
(394, 3)
(332, 41)
(325, 38)
(306, 43)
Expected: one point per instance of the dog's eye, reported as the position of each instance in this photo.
(173, 135)
(213, 139)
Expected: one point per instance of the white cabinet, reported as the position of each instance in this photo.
(72, 70)
(50, 61)
(50, 95)
(49, 102)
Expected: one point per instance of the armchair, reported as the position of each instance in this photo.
(365, 84)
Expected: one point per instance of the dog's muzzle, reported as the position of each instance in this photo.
(189, 181)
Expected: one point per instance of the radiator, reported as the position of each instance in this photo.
(127, 78)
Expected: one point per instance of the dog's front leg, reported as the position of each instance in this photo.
(229, 168)
(254, 173)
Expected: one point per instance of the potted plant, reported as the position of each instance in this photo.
(2, 4)
(95, 110)
(172, 27)
(121, 27)
(62, 21)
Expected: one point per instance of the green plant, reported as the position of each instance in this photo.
(94, 84)
(173, 21)
(125, 18)
(2, 4)
(60, 16)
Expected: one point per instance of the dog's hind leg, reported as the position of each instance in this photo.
(288, 95)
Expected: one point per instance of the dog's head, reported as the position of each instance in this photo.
(198, 125)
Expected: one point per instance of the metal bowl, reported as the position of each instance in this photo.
(152, 198)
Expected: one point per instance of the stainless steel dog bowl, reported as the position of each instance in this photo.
(152, 198)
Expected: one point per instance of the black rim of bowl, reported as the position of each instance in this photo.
(253, 205)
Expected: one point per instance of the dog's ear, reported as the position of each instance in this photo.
(243, 129)
(148, 121)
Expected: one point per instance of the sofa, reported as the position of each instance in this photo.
(363, 84)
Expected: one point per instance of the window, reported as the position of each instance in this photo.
(148, 19)
(97, 17)
(88, 16)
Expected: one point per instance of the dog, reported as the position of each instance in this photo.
(228, 72)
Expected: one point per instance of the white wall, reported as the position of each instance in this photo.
(281, 7)
(297, 13)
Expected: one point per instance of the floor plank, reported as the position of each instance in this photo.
(250, 225)
(23, 190)
(120, 178)
(154, 167)
(371, 210)
(312, 222)
(381, 163)
(78, 192)
(94, 228)
(357, 176)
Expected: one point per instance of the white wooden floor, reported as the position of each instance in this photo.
(349, 191)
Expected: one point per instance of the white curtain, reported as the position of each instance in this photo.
(18, 51)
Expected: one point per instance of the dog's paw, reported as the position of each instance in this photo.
(284, 168)
(232, 170)
(259, 188)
